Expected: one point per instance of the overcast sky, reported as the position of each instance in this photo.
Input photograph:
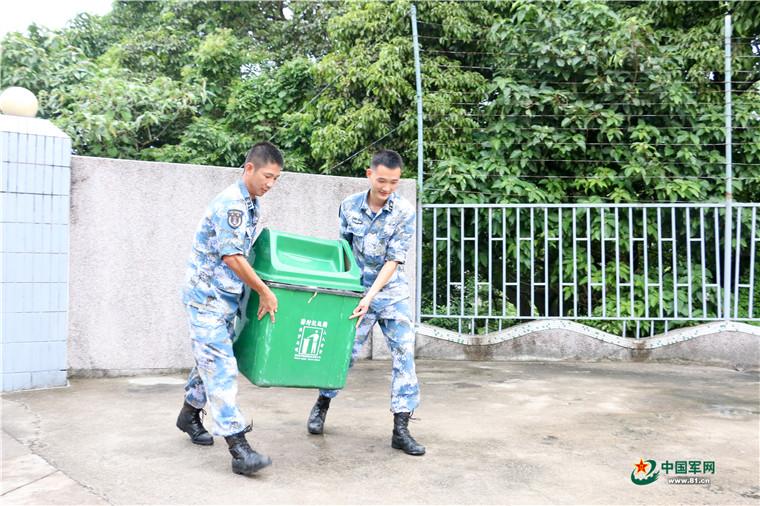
(53, 14)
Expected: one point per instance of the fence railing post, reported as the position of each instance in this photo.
(729, 175)
(418, 79)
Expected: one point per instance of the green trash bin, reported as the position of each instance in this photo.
(318, 285)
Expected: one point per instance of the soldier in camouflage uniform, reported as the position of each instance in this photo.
(379, 226)
(217, 270)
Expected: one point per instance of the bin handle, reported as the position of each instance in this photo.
(346, 257)
(312, 289)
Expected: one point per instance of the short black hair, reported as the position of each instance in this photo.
(387, 157)
(263, 153)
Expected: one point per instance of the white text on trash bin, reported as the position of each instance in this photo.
(311, 340)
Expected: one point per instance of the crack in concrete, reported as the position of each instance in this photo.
(35, 444)
(31, 482)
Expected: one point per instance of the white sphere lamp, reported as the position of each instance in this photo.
(18, 101)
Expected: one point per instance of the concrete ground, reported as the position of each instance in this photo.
(496, 432)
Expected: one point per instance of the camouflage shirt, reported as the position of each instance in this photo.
(377, 238)
(228, 227)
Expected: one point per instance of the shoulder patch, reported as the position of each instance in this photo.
(234, 218)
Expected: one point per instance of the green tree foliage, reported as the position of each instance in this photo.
(629, 92)
(525, 101)
(185, 81)
(602, 96)
(595, 102)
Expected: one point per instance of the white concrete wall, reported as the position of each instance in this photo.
(131, 229)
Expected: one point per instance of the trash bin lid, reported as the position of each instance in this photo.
(305, 261)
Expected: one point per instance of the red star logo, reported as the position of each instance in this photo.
(641, 467)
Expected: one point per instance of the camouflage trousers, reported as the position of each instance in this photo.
(396, 323)
(213, 380)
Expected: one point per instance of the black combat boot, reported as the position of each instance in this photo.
(402, 439)
(189, 420)
(316, 423)
(245, 460)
